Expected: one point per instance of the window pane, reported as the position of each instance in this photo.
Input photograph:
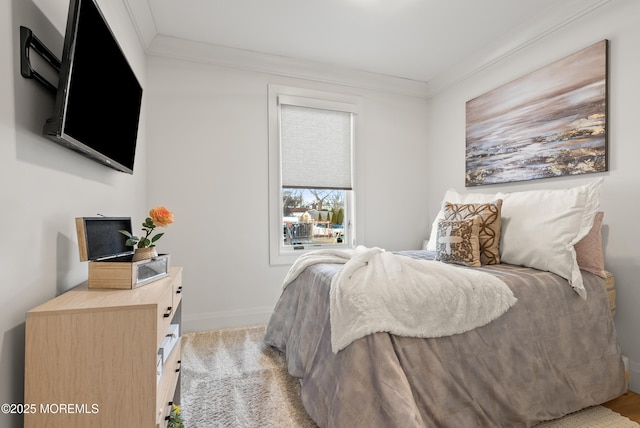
(313, 216)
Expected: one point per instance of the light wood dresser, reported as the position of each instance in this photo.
(91, 357)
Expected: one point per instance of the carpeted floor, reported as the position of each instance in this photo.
(230, 379)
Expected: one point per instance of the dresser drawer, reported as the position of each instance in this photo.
(167, 383)
(176, 286)
(166, 311)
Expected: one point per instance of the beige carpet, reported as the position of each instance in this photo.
(230, 379)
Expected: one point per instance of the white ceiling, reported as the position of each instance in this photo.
(407, 40)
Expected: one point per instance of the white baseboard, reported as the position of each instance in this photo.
(225, 319)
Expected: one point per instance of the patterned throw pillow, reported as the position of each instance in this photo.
(490, 223)
(457, 242)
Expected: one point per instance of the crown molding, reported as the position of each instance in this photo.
(282, 66)
(541, 26)
(142, 20)
(159, 45)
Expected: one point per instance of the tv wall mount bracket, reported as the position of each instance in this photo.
(29, 41)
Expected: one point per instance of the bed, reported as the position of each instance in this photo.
(553, 352)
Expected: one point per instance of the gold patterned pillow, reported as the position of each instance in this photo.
(457, 242)
(489, 228)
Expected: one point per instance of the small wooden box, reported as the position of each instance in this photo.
(110, 265)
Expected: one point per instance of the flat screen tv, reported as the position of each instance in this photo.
(97, 107)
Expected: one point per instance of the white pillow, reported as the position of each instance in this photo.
(539, 227)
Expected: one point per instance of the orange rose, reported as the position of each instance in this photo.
(161, 216)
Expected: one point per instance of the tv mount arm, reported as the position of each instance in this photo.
(28, 40)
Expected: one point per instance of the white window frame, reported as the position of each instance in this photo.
(279, 254)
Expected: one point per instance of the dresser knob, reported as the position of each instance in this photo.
(168, 313)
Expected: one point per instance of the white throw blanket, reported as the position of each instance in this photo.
(381, 291)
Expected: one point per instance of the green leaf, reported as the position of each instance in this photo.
(126, 233)
(158, 236)
(148, 223)
(131, 242)
(144, 242)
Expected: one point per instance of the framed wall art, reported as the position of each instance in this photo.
(549, 123)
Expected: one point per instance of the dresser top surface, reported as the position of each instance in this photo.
(82, 298)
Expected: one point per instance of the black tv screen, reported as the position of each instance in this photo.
(98, 101)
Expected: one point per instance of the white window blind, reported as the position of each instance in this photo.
(315, 140)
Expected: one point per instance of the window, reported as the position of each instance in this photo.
(311, 191)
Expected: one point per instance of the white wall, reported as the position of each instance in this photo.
(619, 22)
(208, 162)
(44, 186)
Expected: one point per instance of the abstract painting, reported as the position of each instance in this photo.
(549, 123)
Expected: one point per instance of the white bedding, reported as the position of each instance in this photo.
(381, 291)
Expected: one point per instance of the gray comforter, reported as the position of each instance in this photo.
(551, 354)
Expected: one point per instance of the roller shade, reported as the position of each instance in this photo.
(315, 139)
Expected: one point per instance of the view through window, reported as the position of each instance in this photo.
(313, 216)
